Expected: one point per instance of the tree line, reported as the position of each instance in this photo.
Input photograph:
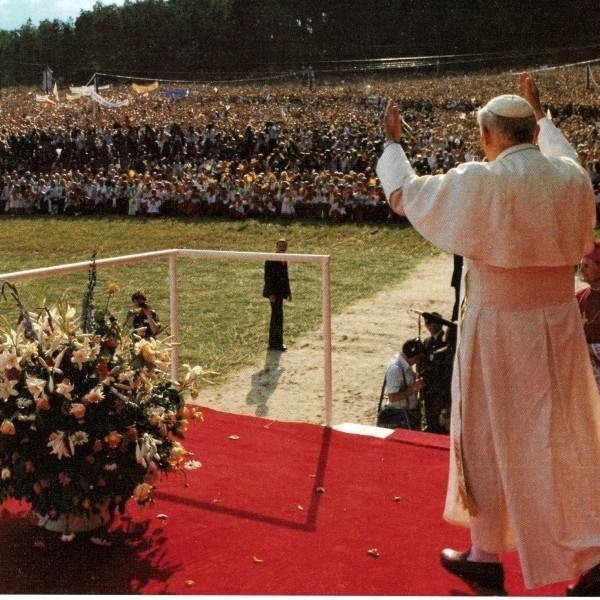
(193, 39)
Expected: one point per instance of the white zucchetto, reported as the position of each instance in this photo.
(510, 106)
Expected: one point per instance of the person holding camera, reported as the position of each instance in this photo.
(142, 318)
(402, 387)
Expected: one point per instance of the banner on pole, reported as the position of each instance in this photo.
(44, 98)
(83, 90)
(108, 103)
(178, 94)
(142, 89)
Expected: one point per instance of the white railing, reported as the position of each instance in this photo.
(172, 256)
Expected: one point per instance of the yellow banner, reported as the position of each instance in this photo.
(142, 89)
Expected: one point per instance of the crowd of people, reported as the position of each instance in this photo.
(253, 150)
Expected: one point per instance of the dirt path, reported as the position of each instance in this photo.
(290, 386)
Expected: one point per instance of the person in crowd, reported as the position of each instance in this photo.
(401, 388)
(320, 146)
(525, 434)
(588, 299)
(277, 289)
(142, 318)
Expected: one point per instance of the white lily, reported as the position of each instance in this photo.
(58, 445)
(64, 388)
(9, 361)
(79, 437)
(147, 450)
(35, 386)
(7, 388)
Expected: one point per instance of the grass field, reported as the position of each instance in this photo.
(223, 317)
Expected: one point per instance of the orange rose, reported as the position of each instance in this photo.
(148, 354)
(113, 439)
(7, 427)
(177, 453)
(42, 403)
(77, 410)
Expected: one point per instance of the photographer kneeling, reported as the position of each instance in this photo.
(402, 387)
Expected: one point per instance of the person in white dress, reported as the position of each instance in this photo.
(525, 432)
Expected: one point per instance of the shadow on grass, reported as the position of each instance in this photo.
(264, 383)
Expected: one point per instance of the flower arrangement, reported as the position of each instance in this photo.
(89, 415)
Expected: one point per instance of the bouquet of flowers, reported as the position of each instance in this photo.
(89, 415)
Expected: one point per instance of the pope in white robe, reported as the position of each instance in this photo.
(525, 434)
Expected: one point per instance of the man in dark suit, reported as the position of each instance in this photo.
(277, 287)
(436, 371)
(435, 340)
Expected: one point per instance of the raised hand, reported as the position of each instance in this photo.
(529, 90)
(392, 123)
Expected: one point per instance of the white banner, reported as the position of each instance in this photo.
(83, 90)
(107, 103)
(40, 98)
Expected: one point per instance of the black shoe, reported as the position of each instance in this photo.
(281, 348)
(587, 585)
(486, 579)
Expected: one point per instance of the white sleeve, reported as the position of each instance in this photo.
(393, 168)
(552, 142)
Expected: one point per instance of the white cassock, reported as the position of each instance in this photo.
(526, 409)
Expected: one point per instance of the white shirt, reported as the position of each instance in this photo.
(398, 377)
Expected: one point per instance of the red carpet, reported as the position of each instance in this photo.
(284, 509)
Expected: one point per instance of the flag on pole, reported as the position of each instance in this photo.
(142, 89)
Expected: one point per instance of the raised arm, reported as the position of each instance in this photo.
(393, 167)
(551, 140)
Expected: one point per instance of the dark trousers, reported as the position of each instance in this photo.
(433, 408)
(276, 324)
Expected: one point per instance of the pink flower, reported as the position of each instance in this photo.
(93, 396)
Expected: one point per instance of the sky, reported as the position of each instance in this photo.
(14, 13)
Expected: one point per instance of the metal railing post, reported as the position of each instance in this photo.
(326, 286)
(174, 315)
